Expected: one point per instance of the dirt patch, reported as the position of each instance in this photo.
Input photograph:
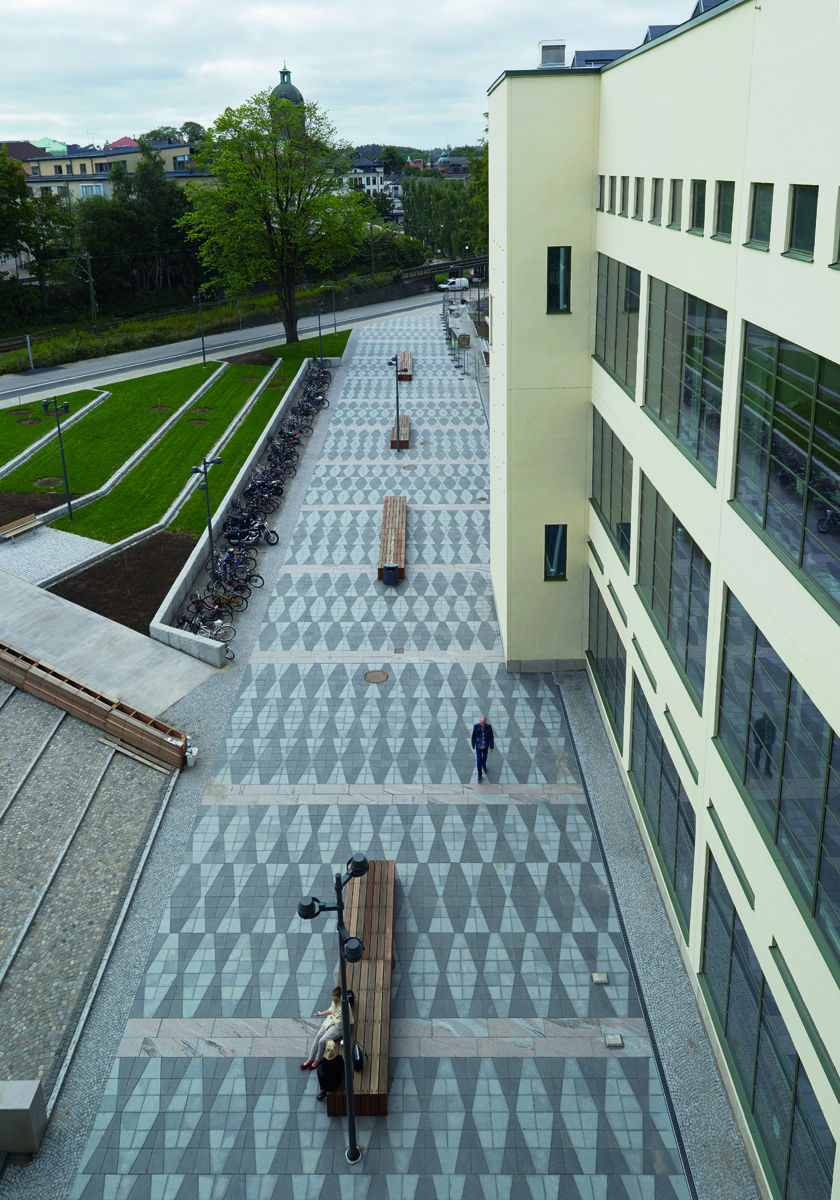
(130, 587)
(30, 421)
(14, 505)
(20, 412)
(49, 481)
(160, 408)
(254, 358)
(482, 329)
(198, 422)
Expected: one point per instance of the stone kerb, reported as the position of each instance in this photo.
(28, 453)
(160, 628)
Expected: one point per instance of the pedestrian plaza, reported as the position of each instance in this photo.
(503, 1085)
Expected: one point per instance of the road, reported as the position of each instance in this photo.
(70, 376)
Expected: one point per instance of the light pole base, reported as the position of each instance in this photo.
(354, 1161)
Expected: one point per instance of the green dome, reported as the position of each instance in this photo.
(286, 90)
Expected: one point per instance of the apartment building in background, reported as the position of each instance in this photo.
(665, 500)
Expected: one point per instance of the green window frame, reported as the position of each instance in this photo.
(612, 485)
(558, 279)
(608, 659)
(786, 758)
(697, 215)
(617, 320)
(656, 189)
(554, 562)
(639, 199)
(724, 208)
(675, 205)
(684, 365)
(668, 810)
(674, 578)
(793, 1137)
(803, 221)
(761, 216)
(788, 464)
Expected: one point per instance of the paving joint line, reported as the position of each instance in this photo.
(32, 765)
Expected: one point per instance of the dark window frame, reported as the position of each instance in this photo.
(612, 195)
(675, 203)
(555, 553)
(761, 201)
(602, 190)
(697, 207)
(799, 193)
(558, 279)
(639, 198)
(724, 202)
(611, 493)
(624, 196)
(617, 320)
(657, 187)
(607, 657)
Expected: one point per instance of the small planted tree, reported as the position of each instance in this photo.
(276, 205)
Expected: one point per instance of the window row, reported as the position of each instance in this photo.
(608, 659)
(714, 208)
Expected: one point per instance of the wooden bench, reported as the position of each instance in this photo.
(22, 526)
(405, 429)
(392, 545)
(369, 915)
(405, 366)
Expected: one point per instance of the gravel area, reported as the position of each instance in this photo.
(44, 552)
(25, 723)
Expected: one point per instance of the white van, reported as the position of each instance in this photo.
(454, 285)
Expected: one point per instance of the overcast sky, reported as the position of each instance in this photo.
(409, 74)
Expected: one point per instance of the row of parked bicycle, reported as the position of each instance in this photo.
(232, 567)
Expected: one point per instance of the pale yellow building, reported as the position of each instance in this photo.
(665, 501)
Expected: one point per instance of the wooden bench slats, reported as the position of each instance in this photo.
(405, 433)
(22, 525)
(405, 366)
(392, 544)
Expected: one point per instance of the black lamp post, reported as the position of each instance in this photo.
(54, 406)
(395, 361)
(320, 343)
(324, 286)
(350, 949)
(201, 324)
(206, 464)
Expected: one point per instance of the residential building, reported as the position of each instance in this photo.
(84, 171)
(366, 175)
(665, 501)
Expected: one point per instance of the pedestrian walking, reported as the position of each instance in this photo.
(483, 743)
(764, 732)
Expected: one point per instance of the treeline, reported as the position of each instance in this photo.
(450, 217)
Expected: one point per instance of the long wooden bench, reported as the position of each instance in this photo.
(369, 915)
(405, 366)
(392, 544)
(405, 433)
(23, 525)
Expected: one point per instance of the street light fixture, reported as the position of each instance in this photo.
(54, 406)
(206, 464)
(201, 324)
(350, 950)
(395, 363)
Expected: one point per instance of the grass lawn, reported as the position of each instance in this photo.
(144, 495)
(106, 437)
(14, 438)
(193, 516)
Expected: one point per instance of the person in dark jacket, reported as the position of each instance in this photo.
(330, 1070)
(764, 732)
(483, 743)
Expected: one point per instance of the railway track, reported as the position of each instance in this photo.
(75, 819)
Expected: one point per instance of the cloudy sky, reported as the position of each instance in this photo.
(410, 74)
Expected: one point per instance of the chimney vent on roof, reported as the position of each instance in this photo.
(553, 53)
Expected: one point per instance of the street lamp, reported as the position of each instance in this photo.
(201, 324)
(324, 287)
(350, 949)
(320, 343)
(57, 408)
(207, 463)
(395, 363)
(372, 259)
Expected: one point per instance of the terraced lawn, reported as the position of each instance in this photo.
(107, 436)
(193, 516)
(142, 498)
(15, 436)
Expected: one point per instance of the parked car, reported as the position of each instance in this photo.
(454, 285)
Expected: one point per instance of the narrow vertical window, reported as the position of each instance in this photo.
(724, 205)
(602, 189)
(656, 202)
(639, 199)
(675, 208)
(698, 206)
(761, 215)
(555, 552)
(612, 194)
(803, 221)
(558, 282)
(625, 195)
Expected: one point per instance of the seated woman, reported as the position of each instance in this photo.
(331, 1028)
(330, 1070)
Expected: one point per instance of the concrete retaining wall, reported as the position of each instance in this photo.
(161, 627)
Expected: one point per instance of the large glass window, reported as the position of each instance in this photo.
(803, 220)
(788, 1120)
(724, 205)
(789, 453)
(663, 798)
(608, 659)
(558, 284)
(698, 206)
(674, 578)
(612, 484)
(684, 370)
(783, 751)
(617, 319)
(761, 215)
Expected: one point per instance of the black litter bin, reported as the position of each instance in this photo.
(390, 574)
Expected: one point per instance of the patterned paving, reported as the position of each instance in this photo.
(502, 1082)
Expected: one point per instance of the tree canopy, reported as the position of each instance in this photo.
(14, 204)
(190, 131)
(393, 160)
(275, 206)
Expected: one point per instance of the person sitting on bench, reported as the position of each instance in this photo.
(330, 1028)
(330, 1070)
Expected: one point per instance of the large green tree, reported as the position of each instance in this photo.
(14, 203)
(47, 235)
(393, 160)
(275, 206)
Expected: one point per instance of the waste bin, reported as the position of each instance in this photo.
(390, 574)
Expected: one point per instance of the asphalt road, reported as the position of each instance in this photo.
(71, 376)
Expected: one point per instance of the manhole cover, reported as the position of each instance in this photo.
(399, 650)
(409, 468)
(376, 676)
(48, 481)
(160, 408)
(202, 410)
(483, 499)
(198, 422)
(30, 421)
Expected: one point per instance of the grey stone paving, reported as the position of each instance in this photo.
(44, 552)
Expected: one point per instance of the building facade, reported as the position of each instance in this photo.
(665, 501)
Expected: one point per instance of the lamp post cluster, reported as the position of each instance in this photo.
(350, 950)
